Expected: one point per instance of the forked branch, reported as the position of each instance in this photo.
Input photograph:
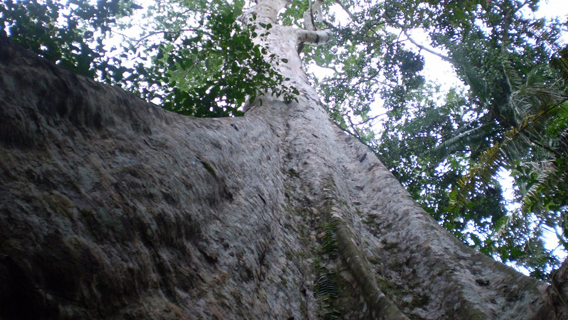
(311, 34)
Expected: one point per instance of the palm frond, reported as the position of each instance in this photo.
(513, 146)
(543, 170)
(486, 167)
(514, 80)
(560, 62)
(456, 143)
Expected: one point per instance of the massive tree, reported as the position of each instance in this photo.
(113, 208)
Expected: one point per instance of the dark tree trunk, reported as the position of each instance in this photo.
(112, 208)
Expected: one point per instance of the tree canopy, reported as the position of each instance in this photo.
(508, 114)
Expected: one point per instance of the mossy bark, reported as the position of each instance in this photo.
(381, 306)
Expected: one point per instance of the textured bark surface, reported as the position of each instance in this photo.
(112, 208)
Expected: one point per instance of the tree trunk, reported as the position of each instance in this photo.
(112, 208)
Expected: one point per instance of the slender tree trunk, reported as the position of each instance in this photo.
(112, 208)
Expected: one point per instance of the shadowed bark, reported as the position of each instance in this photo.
(112, 208)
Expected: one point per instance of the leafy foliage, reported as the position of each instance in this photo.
(204, 62)
(368, 62)
(70, 34)
(194, 58)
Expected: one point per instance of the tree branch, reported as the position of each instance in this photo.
(311, 34)
(441, 56)
(315, 37)
(309, 23)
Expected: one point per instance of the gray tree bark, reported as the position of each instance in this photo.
(112, 208)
